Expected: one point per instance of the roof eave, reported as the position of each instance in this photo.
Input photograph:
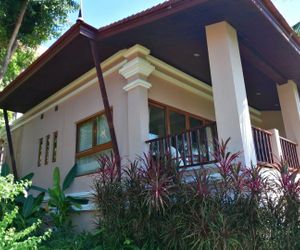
(79, 28)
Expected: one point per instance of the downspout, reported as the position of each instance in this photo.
(108, 113)
(10, 145)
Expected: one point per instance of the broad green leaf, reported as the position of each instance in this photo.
(70, 177)
(27, 177)
(5, 169)
(37, 188)
(28, 206)
(20, 199)
(54, 200)
(56, 178)
(38, 202)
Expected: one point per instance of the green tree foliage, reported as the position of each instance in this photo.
(24, 25)
(296, 28)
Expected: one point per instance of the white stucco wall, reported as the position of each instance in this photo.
(78, 107)
(273, 119)
(167, 93)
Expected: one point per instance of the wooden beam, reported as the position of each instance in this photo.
(10, 145)
(107, 109)
(254, 58)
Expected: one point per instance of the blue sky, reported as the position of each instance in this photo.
(290, 9)
(99, 13)
(102, 12)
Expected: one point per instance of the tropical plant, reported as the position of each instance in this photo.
(10, 237)
(230, 206)
(61, 205)
(286, 208)
(30, 209)
(72, 241)
(296, 28)
(29, 206)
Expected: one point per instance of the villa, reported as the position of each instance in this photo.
(169, 79)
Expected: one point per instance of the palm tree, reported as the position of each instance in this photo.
(296, 28)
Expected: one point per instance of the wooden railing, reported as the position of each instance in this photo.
(289, 152)
(262, 143)
(189, 148)
(196, 147)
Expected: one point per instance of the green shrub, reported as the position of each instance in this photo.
(29, 207)
(10, 238)
(154, 207)
(71, 241)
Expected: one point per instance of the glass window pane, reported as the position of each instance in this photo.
(177, 122)
(85, 136)
(195, 123)
(54, 146)
(89, 164)
(103, 134)
(157, 125)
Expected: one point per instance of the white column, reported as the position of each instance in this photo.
(290, 108)
(230, 99)
(136, 72)
(276, 146)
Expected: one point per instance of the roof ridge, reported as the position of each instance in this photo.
(165, 4)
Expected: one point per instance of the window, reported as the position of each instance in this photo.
(195, 123)
(40, 152)
(165, 120)
(177, 122)
(54, 146)
(157, 126)
(93, 139)
(47, 149)
(190, 147)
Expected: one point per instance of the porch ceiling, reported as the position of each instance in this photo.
(173, 32)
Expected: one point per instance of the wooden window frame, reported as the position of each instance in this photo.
(95, 148)
(54, 146)
(40, 152)
(169, 109)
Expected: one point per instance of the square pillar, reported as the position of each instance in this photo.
(229, 92)
(136, 72)
(290, 108)
(276, 146)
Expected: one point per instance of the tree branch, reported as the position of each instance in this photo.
(12, 45)
(6, 62)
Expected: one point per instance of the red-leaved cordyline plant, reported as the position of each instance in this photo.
(231, 185)
(288, 182)
(237, 180)
(202, 184)
(108, 171)
(224, 159)
(158, 183)
(254, 181)
(152, 205)
(133, 172)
